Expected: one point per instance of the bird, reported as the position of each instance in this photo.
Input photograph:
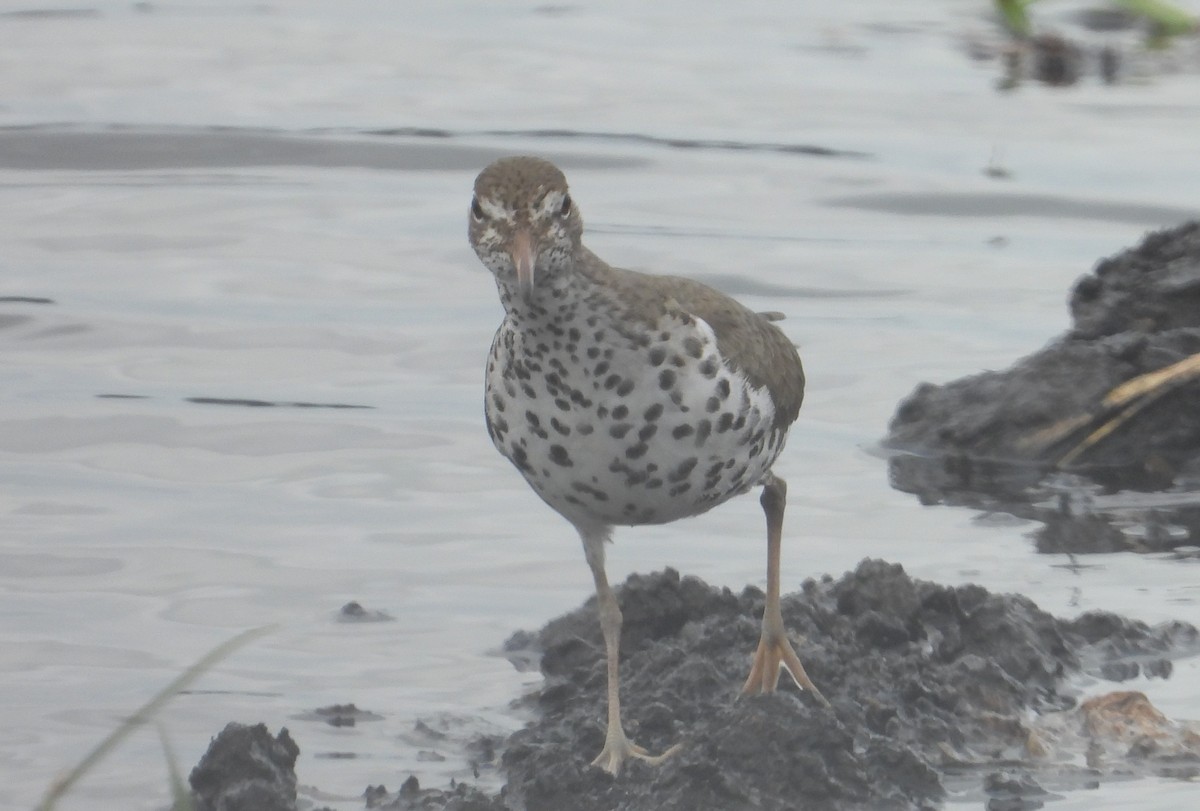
(627, 399)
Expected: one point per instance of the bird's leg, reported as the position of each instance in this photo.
(774, 650)
(617, 748)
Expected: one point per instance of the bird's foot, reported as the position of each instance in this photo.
(775, 652)
(618, 749)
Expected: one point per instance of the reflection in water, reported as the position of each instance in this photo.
(1078, 515)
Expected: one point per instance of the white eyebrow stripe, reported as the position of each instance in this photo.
(551, 201)
(495, 211)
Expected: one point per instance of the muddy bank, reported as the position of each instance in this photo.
(921, 677)
(933, 689)
(1112, 405)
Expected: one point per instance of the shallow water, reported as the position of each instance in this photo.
(196, 216)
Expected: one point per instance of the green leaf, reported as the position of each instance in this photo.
(181, 798)
(1012, 12)
(1168, 19)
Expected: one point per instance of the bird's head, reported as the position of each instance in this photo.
(523, 225)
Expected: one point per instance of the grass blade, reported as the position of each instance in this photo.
(146, 712)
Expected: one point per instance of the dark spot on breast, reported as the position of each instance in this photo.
(601, 368)
(654, 484)
(712, 405)
(723, 388)
(559, 456)
(602, 411)
(562, 404)
(708, 367)
(558, 426)
(666, 379)
(594, 492)
(528, 391)
(497, 402)
(574, 334)
(664, 336)
(593, 352)
(625, 387)
(682, 470)
(725, 423)
(679, 489)
(678, 361)
(620, 412)
(510, 388)
(703, 429)
(611, 382)
(519, 457)
(584, 428)
(657, 356)
(532, 419)
(636, 451)
(619, 430)
(681, 431)
(693, 347)
(647, 432)
(653, 412)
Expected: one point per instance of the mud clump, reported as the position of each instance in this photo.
(1135, 313)
(921, 678)
(245, 769)
(1113, 404)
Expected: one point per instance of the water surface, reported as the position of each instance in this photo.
(243, 337)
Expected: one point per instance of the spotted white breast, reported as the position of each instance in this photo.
(614, 427)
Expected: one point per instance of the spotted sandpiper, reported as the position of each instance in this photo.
(625, 398)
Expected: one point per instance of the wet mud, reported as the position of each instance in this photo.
(933, 689)
(246, 769)
(1110, 407)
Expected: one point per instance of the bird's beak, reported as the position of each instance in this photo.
(522, 258)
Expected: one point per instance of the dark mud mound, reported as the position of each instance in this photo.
(245, 769)
(933, 690)
(1115, 401)
(921, 677)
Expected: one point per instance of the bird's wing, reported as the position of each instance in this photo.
(747, 340)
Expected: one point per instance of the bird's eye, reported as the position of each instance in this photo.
(565, 209)
(476, 209)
